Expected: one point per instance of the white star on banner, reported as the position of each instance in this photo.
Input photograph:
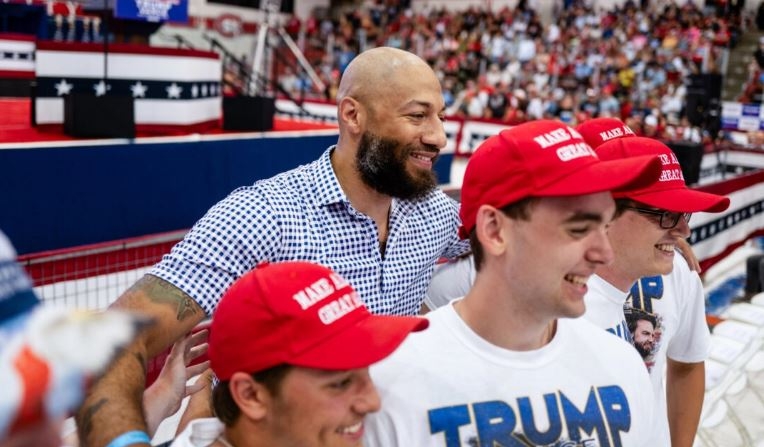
(194, 90)
(173, 91)
(63, 88)
(139, 90)
(100, 88)
(204, 89)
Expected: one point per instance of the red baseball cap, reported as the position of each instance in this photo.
(543, 158)
(670, 191)
(601, 130)
(301, 314)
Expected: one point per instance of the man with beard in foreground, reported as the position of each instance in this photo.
(368, 208)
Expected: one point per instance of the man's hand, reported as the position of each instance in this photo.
(200, 404)
(114, 405)
(163, 398)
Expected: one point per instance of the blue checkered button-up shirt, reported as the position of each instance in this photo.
(303, 214)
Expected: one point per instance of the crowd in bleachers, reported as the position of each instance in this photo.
(630, 62)
(753, 91)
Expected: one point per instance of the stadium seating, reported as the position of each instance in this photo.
(733, 413)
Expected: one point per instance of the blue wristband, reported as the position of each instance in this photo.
(130, 438)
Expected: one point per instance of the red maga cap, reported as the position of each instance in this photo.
(597, 131)
(301, 314)
(540, 159)
(670, 191)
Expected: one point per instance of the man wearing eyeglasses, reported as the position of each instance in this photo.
(646, 276)
(649, 284)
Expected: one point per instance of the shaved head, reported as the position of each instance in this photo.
(390, 110)
(376, 72)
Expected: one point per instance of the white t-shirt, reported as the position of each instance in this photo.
(447, 386)
(604, 307)
(676, 304)
(199, 433)
(450, 280)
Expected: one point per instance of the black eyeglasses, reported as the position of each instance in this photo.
(668, 219)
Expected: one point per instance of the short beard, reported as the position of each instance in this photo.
(642, 350)
(382, 164)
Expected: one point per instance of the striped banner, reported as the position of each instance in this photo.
(714, 236)
(17, 56)
(176, 88)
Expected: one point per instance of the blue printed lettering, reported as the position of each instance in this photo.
(644, 291)
(529, 421)
(605, 414)
(495, 422)
(448, 420)
(621, 331)
(617, 412)
(588, 421)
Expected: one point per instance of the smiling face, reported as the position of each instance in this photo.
(642, 248)
(317, 408)
(401, 130)
(555, 251)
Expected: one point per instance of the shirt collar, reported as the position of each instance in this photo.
(328, 189)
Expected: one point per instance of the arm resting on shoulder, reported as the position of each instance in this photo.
(685, 388)
(114, 404)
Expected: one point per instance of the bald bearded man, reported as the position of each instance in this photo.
(368, 208)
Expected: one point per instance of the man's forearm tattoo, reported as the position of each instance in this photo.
(161, 291)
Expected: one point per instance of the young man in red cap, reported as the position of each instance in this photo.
(510, 363)
(648, 282)
(454, 279)
(678, 340)
(291, 344)
(598, 131)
